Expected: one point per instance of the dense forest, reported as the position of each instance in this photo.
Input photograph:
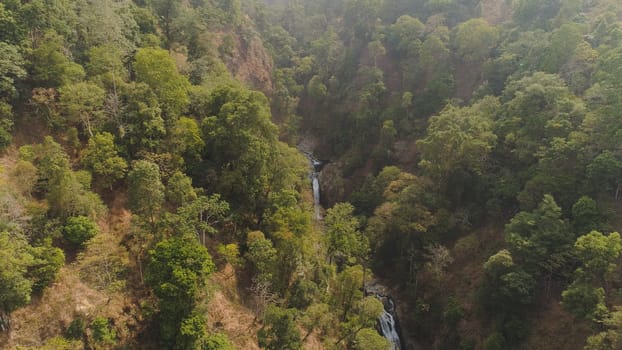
(157, 157)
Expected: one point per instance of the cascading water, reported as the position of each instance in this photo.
(315, 181)
(387, 323)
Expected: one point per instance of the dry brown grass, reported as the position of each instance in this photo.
(225, 313)
(49, 315)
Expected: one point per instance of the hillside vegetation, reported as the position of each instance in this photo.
(152, 195)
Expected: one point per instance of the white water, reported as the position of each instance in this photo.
(316, 195)
(387, 326)
(315, 181)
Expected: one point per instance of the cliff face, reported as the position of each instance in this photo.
(247, 59)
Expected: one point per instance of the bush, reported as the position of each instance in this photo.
(79, 229)
(217, 341)
(102, 332)
(75, 329)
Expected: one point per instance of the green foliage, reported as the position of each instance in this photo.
(186, 138)
(261, 254)
(584, 301)
(369, 339)
(279, 331)
(564, 41)
(102, 158)
(15, 286)
(76, 328)
(347, 289)
(474, 39)
(179, 190)
(217, 341)
(11, 68)
(611, 337)
(598, 253)
(47, 262)
(178, 269)
(541, 239)
(142, 125)
(146, 191)
(459, 138)
(83, 104)
(201, 216)
(603, 172)
(586, 216)
(230, 253)
(102, 331)
(535, 13)
(50, 67)
(317, 316)
(177, 272)
(79, 229)
(343, 238)
(156, 68)
(240, 146)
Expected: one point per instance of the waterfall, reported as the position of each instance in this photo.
(387, 323)
(316, 167)
(388, 326)
(315, 181)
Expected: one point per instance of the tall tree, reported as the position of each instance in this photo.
(102, 158)
(177, 271)
(146, 191)
(156, 68)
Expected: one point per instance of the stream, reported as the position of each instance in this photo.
(387, 323)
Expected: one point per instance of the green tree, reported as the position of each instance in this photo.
(102, 331)
(603, 172)
(202, 215)
(586, 216)
(145, 190)
(262, 255)
(11, 69)
(347, 289)
(15, 286)
(49, 65)
(541, 239)
(366, 313)
(141, 126)
(217, 341)
(539, 108)
(179, 190)
(47, 262)
(584, 301)
(474, 39)
(317, 316)
(186, 139)
(369, 339)
(564, 41)
(79, 229)
(240, 144)
(459, 138)
(102, 158)
(83, 103)
(506, 286)
(343, 238)
(156, 68)
(177, 272)
(598, 253)
(611, 337)
(279, 331)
